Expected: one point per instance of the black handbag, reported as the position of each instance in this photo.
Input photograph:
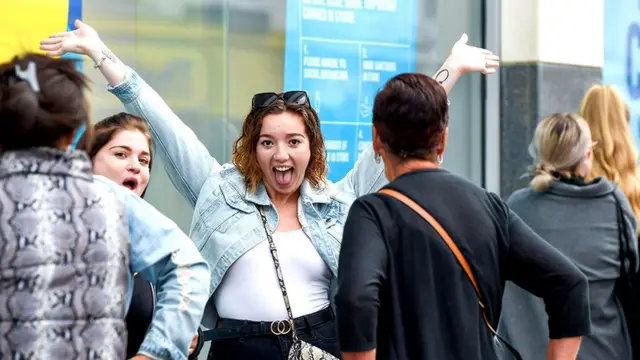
(628, 284)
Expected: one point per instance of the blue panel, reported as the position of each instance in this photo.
(622, 55)
(342, 52)
(75, 12)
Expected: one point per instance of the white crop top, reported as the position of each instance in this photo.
(250, 291)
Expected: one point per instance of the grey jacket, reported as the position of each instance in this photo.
(579, 220)
(64, 259)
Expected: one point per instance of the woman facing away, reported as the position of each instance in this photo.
(615, 158)
(580, 218)
(275, 195)
(64, 251)
(402, 294)
(44, 187)
(120, 149)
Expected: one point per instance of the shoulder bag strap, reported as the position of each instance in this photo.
(276, 263)
(627, 259)
(456, 252)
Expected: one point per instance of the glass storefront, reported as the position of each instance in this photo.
(207, 58)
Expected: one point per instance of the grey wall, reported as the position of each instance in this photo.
(529, 93)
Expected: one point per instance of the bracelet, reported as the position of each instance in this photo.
(99, 63)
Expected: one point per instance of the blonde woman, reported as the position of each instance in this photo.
(615, 158)
(581, 219)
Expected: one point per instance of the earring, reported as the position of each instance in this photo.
(377, 158)
(439, 158)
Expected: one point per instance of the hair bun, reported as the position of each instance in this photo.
(543, 177)
(41, 101)
(18, 101)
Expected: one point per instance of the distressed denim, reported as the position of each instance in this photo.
(164, 255)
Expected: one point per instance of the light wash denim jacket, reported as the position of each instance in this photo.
(164, 255)
(226, 222)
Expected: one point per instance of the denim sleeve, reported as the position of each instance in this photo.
(164, 255)
(187, 161)
(183, 290)
(366, 177)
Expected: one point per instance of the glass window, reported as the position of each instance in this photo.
(208, 57)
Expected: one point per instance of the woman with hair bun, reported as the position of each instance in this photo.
(70, 240)
(64, 243)
(582, 219)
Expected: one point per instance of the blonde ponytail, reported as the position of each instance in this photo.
(543, 177)
(560, 144)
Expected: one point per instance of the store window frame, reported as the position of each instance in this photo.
(491, 103)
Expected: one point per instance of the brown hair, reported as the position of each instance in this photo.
(40, 119)
(244, 148)
(107, 128)
(410, 114)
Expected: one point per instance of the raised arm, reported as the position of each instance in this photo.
(186, 159)
(464, 59)
(164, 255)
(367, 175)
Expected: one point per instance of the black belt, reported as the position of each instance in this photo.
(232, 329)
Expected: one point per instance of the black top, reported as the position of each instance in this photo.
(140, 314)
(402, 291)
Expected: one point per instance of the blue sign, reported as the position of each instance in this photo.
(622, 54)
(74, 13)
(342, 52)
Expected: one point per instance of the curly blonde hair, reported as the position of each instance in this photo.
(615, 157)
(244, 148)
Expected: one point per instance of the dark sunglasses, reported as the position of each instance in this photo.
(263, 100)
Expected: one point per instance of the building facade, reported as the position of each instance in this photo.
(208, 57)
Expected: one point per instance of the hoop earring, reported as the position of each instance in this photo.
(439, 158)
(377, 158)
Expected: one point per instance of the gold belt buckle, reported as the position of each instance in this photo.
(281, 327)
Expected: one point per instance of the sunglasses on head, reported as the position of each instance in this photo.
(263, 100)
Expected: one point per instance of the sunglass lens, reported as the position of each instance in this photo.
(295, 97)
(264, 99)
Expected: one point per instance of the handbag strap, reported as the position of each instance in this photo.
(276, 263)
(625, 252)
(456, 252)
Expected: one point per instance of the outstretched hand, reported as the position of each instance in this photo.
(78, 41)
(472, 59)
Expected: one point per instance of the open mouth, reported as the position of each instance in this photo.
(130, 183)
(284, 175)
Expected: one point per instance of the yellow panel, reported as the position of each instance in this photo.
(23, 23)
(252, 71)
(183, 31)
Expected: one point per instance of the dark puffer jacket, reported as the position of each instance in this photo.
(64, 259)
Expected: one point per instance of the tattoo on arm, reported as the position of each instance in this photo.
(109, 55)
(442, 76)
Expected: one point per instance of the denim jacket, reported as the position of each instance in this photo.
(163, 254)
(226, 222)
